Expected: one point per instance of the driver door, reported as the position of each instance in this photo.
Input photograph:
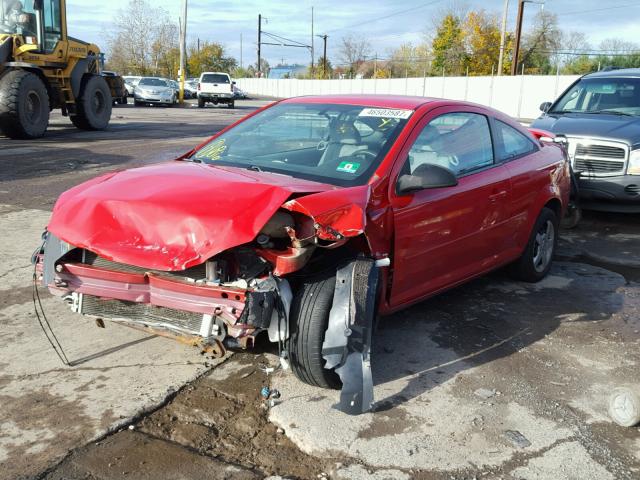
(444, 236)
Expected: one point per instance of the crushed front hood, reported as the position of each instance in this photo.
(171, 216)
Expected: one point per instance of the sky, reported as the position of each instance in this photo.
(385, 24)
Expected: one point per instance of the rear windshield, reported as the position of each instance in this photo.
(215, 78)
(153, 82)
(601, 95)
(336, 144)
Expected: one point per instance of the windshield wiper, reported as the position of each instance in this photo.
(613, 112)
(254, 168)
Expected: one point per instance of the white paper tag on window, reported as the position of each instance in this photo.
(385, 113)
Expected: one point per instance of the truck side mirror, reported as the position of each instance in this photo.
(545, 106)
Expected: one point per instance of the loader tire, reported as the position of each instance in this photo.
(24, 105)
(93, 107)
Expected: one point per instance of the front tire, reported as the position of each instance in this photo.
(231, 105)
(201, 102)
(309, 319)
(93, 107)
(24, 105)
(536, 260)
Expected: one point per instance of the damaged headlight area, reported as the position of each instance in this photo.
(224, 302)
(242, 292)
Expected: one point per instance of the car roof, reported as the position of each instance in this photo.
(216, 73)
(623, 72)
(378, 101)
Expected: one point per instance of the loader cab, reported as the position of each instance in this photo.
(40, 23)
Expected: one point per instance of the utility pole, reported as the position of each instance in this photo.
(516, 49)
(183, 49)
(503, 36)
(324, 55)
(241, 65)
(312, 42)
(259, 44)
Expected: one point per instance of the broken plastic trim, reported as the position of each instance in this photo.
(347, 344)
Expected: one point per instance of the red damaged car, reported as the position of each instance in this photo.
(304, 221)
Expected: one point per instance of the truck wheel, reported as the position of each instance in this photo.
(535, 262)
(24, 105)
(231, 104)
(93, 107)
(309, 318)
(201, 102)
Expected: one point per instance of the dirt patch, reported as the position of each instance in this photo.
(221, 419)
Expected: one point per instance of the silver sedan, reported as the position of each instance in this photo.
(152, 90)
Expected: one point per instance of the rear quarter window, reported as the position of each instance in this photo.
(512, 143)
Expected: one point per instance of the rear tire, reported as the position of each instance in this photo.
(309, 319)
(24, 105)
(536, 260)
(201, 102)
(93, 107)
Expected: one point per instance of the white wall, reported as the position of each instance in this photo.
(518, 96)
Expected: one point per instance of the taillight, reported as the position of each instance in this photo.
(198, 86)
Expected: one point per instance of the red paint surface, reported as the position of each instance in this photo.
(171, 216)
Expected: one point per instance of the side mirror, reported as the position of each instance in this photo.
(233, 83)
(426, 176)
(545, 106)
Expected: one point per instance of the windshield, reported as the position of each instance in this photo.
(597, 95)
(336, 144)
(152, 82)
(215, 78)
(17, 17)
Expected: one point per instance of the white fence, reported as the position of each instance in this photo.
(518, 96)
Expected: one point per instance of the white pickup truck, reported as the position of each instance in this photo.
(215, 87)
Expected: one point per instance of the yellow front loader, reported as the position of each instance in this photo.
(42, 68)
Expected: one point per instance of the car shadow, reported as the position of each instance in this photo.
(485, 320)
(109, 351)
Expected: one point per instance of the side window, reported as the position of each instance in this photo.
(52, 24)
(512, 143)
(458, 141)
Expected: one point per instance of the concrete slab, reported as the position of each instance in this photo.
(46, 409)
(537, 346)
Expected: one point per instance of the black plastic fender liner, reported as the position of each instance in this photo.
(347, 344)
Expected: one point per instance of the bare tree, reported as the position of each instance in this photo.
(139, 37)
(354, 52)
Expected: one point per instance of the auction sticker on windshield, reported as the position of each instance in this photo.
(348, 167)
(385, 113)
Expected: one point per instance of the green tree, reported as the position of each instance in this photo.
(210, 57)
(448, 47)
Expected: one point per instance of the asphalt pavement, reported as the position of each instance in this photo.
(495, 379)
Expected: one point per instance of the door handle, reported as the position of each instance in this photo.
(496, 196)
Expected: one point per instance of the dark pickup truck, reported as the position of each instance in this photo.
(600, 117)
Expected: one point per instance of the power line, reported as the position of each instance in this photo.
(603, 9)
(384, 17)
